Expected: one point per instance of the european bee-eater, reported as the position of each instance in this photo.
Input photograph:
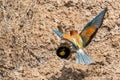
(81, 40)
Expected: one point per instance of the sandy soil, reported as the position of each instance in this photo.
(28, 45)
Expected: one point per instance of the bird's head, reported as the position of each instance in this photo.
(73, 32)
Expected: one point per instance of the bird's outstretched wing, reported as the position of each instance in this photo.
(63, 36)
(67, 37)
(91, 28)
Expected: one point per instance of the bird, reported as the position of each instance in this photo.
(80, 40)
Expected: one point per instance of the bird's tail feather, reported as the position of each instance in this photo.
(82, 58)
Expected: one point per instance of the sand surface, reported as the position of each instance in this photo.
(28, 45)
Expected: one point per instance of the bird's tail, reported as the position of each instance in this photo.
(82, 58)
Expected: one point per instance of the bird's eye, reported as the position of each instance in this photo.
(63, 52)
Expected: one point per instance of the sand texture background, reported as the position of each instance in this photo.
(28, 45)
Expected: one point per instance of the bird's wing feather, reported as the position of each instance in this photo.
(63, 36)
(91, 28)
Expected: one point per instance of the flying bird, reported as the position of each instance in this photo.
(82, 39)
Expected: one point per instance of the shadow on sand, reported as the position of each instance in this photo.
(69, 74)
